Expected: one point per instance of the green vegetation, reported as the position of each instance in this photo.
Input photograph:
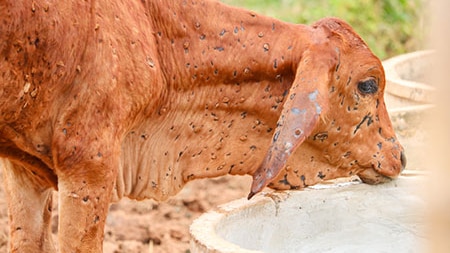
(390, 27)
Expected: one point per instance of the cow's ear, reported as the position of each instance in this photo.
(306, 101)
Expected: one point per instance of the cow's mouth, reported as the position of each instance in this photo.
(371, 176)
(375, 175)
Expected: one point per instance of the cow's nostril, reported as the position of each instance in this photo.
(403, 160)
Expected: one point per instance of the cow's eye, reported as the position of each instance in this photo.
(368, 86)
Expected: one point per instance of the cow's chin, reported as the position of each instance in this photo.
(370, 176)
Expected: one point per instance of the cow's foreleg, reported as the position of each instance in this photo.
(30, 210)
(84, 197)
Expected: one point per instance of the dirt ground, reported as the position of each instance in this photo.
(148, 226)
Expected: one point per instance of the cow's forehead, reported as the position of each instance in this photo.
(363, 65)
(350, 45)
(343, 31)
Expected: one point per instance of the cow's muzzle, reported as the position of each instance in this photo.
(375, 176)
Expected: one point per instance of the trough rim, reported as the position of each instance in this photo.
(395, 85)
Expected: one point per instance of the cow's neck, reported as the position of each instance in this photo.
(227, 71)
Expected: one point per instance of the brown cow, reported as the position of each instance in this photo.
(105, 99)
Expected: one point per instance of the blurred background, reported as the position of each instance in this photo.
(390, 27)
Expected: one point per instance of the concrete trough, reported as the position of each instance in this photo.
(343, 217)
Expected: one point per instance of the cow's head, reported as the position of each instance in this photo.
(334, 121)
